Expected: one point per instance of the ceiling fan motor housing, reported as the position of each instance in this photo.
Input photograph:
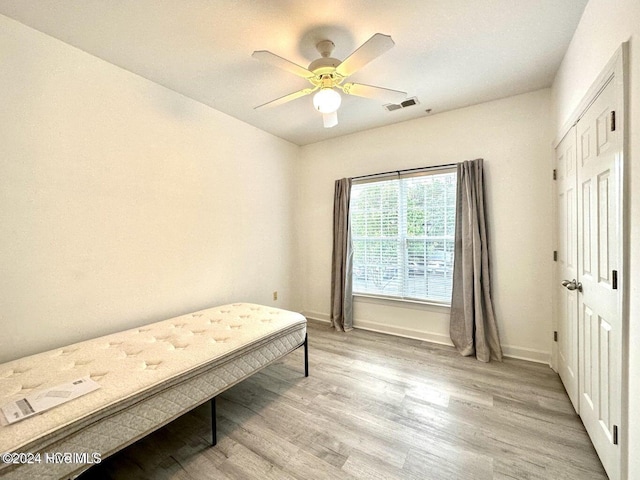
(324, 65)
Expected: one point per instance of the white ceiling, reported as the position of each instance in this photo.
(448, 53)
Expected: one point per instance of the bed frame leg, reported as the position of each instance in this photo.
(214, 437)
(306, 357)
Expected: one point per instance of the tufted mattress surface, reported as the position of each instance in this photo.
(147, 375)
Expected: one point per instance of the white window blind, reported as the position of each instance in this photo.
(403, 235)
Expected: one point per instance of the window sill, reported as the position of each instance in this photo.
(384, 299)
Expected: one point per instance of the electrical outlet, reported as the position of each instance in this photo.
(275, 295)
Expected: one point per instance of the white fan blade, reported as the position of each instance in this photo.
(287, 98)
(372, 48)
(330, 119)
(282, 63)
(384, 94)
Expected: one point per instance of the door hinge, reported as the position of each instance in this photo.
(555, 255)
(613, 120)
(555, 174)
(615, 434)
(555, 336)
(614, 279)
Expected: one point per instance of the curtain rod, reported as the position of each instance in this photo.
(398, 172)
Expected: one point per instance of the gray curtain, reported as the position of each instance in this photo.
(473, 325)
(341, 262)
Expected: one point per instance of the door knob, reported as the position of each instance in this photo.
(572, 285)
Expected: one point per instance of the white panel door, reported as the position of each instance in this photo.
(566, 266)
(599, 151)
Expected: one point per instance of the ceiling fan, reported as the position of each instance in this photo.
(327, 74)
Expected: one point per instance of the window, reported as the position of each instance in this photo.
(402, 232)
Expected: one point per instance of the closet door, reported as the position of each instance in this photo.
(567, 263)
(599, 244)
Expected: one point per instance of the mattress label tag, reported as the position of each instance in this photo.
(42, 400)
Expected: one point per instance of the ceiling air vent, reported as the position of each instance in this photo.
(409, 102)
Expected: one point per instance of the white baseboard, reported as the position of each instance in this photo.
(318, 317)
(521, 353)
(529, 354)
(403, 332)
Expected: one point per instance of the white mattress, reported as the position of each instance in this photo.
(148, 376)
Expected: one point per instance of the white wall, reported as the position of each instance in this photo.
(604, 26)
(122, 202)
(514, 137)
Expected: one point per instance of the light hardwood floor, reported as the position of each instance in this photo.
(374, 406)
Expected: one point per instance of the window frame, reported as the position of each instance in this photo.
(403, 236)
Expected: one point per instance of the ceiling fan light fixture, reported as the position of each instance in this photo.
(327, 100)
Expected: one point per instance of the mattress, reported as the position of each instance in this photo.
(148, 376)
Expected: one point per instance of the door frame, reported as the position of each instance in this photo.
(615, 71)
